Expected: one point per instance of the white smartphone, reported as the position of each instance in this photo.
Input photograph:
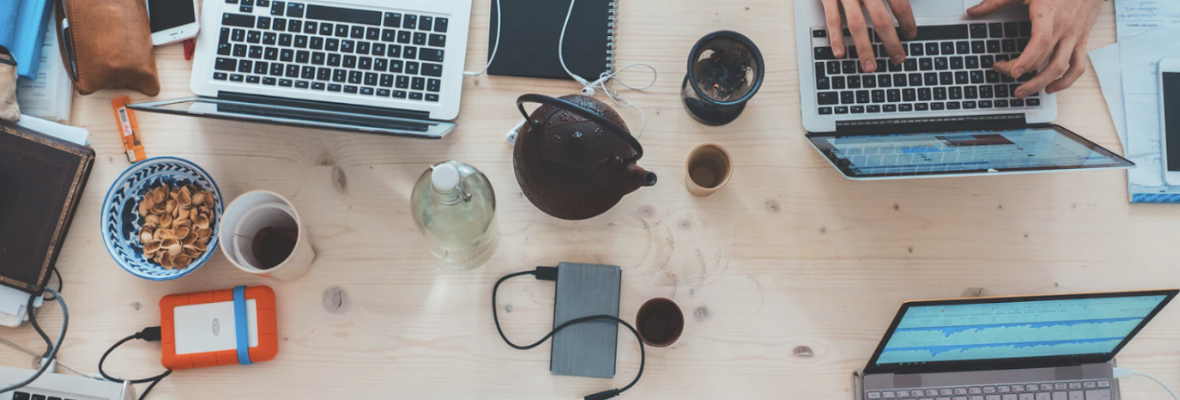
(173, 20)
(1170, 120)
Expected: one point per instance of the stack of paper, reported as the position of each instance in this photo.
(1129, 75)
(51, 95)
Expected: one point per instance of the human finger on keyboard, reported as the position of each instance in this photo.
(1060, 64)
(1081, 61)
(835, 26)
(883, 23)
(860, 34)
(905, 17)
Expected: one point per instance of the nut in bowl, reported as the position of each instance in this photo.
(160, 218)
(176, 224)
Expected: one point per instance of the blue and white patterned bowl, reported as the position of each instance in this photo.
(121, 221)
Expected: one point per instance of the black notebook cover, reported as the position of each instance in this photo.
(588, 348)
(528, 45)
(41, 181)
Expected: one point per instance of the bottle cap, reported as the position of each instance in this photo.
(445, 178)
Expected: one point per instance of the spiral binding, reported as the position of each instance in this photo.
(610, 38)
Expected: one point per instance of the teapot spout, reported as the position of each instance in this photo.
(638, 177)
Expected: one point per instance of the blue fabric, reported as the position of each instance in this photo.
(29, 35)
(242, 325)
(8, 22)
(1156, 198)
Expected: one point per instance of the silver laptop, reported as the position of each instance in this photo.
(389, 67)
(62, 387)
(946, 83)
(1055, 347)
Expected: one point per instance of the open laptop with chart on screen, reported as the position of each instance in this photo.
(1057, 347)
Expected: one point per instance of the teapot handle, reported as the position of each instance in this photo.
(585, 113)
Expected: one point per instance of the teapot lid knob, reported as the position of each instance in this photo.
(445, 178)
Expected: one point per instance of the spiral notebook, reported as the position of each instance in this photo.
(528, 44)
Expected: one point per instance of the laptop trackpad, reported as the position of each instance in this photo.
(940, 8)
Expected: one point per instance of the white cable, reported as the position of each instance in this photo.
(496, 48)
(1124, 373)
(65, 323)
(589, 87)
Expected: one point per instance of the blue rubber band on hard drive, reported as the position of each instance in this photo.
(242, 325)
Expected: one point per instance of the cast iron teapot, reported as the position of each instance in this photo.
(575, 158)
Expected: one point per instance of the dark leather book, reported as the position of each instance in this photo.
(528, 43)
(41, 181)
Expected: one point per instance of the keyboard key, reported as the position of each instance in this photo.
(278, 8)
(286, 55)
(931, 79)
(20, 396)
(977, 77)
(955, 93)
(927, 64)
(426, 23)
(403, 82)
(355, 77)
(963, 47)
(940, 63)
(854, 82)
(894, 95)
(1009, 45)
(1016, 102)
(225, 64)
(253, 36)
(292, 71)
(336, 14)
(384, 92)
(946, 78)
(996, 30)
(939, 93)
(339, 75)
(924, 94)
(415, 96)
(916, 49)
(978, 47)
(295, 10)
(970, 92)
(968, 105)
(869, 82)
(941, 32)
(937, 106)
(253, 79)
(237, 78)
(347, 46)
(948, 48)
(971, 62)
(885, 81)
(323, 74)
(900, 80)
(332, 87)
(921, 107)
(823, 83)
(953, 105)
(241, 20)
(1031, 102)
(978, 31)
(317, 43)
(410, 21)
(341, 30)
(245, 66)
(962, 78)
(915, 79)
(985, 92)
(862, 96)
(270, 38)
(932, 49)
(393, 20)
(825, 110)
(357, 32)
(435, 55)
(221, 76)
(857, 109)
(301, 41)
(419, 38)
(1011, 30)
(1026, 29)
(909, 94)
(441, 24)
(397, 65)
(890, 108)
(370, 79)
(378, 49)
(404, 37)
(326, 29)
(431, 69)
(956, 62)
(987, 62)
(911, 64)
(308, 72)
(351, 89)
(332, 44)
(276, 69)
(874, 109)
(905, 107)
(847, 97)
(310, 27)
(401, 94)
(368, 91)
(1021, 44)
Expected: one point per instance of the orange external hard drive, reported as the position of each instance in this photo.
(207, 329)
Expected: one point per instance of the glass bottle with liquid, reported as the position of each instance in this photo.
(454, 207)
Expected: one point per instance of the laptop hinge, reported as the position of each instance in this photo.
(936, 124)
(322, 105)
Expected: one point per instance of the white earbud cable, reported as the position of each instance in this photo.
(496, 48)
(1120, 373)
(606, 76)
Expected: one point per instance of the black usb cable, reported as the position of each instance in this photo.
(550, 274)
(147, 334)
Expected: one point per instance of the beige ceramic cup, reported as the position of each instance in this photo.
(708, 168)
(243, 219)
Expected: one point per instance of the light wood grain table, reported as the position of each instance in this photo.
(788, 277)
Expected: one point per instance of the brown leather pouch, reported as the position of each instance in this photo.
(108, 45)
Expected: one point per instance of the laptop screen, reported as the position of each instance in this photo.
(963, 152)
(1093, 326)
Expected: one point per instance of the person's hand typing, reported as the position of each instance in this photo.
(882, 22)
(1060, 31)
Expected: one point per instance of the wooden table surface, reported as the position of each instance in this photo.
(788, 276)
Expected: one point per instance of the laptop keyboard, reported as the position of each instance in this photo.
(19, 395)
(315, 48)
(947, 68)
(1068, 390)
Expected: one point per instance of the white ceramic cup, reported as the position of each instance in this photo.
(251, 212)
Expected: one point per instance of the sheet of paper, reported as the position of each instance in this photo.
(1109, 68)
(64, 132)
(1146, 33)
(12, 306)
(50, 95)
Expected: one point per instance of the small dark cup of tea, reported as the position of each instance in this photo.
(659, 322)
(725, 70)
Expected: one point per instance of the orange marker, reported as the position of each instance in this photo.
(132, 142)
